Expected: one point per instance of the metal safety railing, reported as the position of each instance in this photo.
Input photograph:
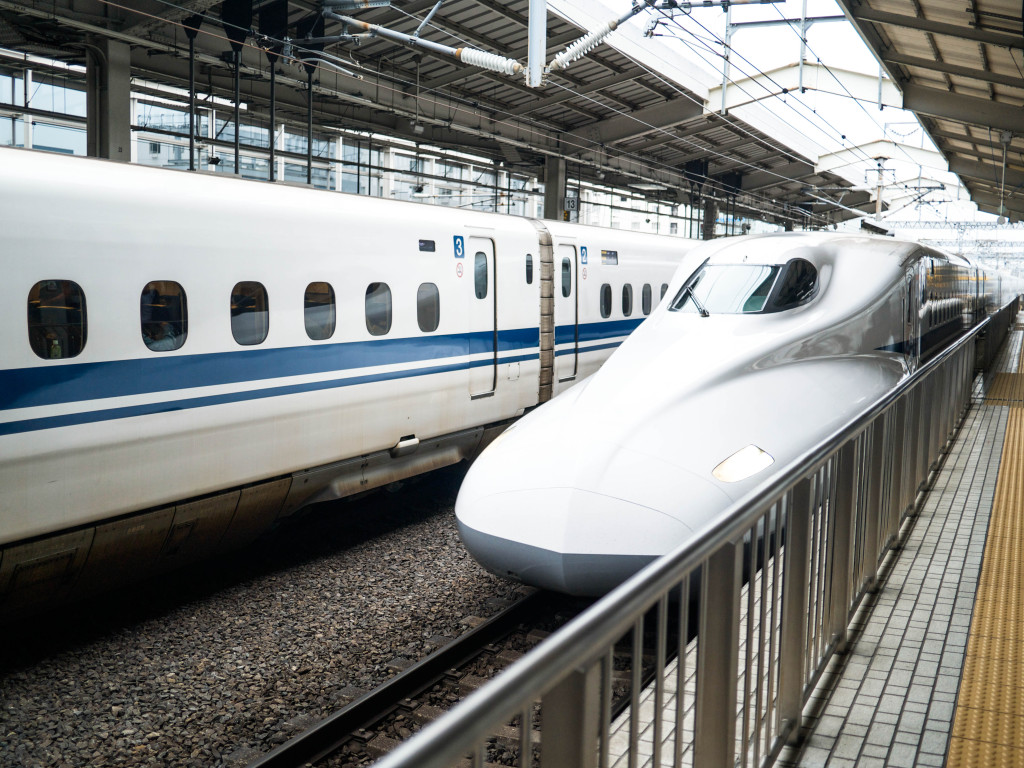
(738, 624)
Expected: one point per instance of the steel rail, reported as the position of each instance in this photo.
(321, 739)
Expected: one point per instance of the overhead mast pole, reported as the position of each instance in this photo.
(537, 48)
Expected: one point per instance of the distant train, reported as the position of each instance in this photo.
(186, 359)
(766, 347)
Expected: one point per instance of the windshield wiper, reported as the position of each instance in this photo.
(688, 291)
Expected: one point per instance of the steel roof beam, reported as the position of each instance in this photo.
(984, 155)
(1012, 206)
(963, 109)
(893, 57)
(755, 180)
(173, 13)
(967, 139)
(864, 13)
(655, 118)
(986, 172)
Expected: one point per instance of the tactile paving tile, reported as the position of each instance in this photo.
(988, 729)
(992, 695)
(1005, 389)
(980, 725)
(967, 753)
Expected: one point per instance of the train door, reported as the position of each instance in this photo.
(483, 337)
(566, 313)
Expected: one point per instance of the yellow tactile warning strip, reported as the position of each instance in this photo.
(988, 729)
(1008, 388)
(1005, 389)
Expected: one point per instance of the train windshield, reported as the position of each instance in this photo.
(741, 289)
(727, 288)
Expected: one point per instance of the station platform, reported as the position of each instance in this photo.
(933, 672)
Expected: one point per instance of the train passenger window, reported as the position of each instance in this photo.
(250, 313)
(428, 307)
(645, 299)
(480, 274)
(319, 311)
(163, 314)
(627, 300)
(606, 300)
(664, 290)
(529, 269)
(56, 319)
(378, 309)
(566, 278)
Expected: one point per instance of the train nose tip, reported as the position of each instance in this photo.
(564, 539)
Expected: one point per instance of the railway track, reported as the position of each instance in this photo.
(374, 724)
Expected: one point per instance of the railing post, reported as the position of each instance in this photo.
(717, 659)
(900, 460)
(874, 507)
(792, 635)
(842, 542)
(569, 723)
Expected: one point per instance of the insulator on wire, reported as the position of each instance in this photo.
(489, 61)
(583, 46)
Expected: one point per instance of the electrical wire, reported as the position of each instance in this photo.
(574, 143)
(835, 131)
(842, 85)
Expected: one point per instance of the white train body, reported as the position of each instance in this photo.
(113, 449)
(693, 411)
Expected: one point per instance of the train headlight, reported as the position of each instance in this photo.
(742, 464)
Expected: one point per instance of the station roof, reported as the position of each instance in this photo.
(615, 121)
(958, 66)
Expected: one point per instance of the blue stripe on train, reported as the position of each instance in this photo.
(55, 384)
(52, 384)
(108, 414)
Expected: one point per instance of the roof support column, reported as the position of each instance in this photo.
(108, 92)
(554, 188)
(707, 230)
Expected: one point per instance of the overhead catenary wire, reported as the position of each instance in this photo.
(501, 117)
(855, 100)
(836, 133)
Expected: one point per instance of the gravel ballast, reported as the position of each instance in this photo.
(220, 665)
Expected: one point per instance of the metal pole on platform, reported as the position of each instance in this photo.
(537, 47)
(191, 30)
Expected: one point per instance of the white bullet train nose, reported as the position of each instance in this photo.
(495, 529)
(581, 533)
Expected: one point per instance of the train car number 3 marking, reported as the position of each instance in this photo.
(460, 247)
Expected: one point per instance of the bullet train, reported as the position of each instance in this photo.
(186, 359)
(762, 350)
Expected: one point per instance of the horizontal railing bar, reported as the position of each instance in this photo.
(586, 639)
